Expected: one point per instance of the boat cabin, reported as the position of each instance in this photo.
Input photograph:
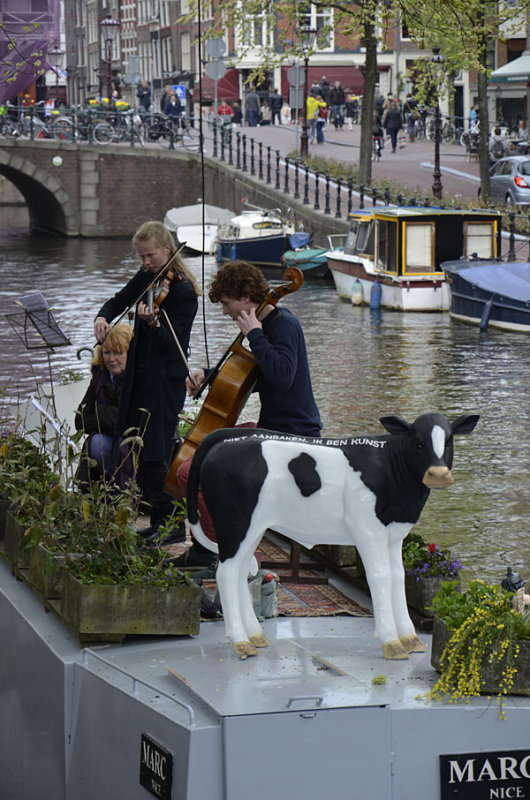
(414, 241)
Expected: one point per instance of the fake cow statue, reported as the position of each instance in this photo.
(366, 491)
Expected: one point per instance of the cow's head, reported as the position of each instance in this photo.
(432, 436)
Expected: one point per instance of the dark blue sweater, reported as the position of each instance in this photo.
(284, 382)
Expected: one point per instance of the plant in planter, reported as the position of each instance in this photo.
(427, 567)
(481, 644)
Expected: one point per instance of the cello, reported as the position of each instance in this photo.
(231, 381)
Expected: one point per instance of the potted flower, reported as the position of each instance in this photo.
(427, 567)
(481, 643)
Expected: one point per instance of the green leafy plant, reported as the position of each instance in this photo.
(423, 559)
(486, 631)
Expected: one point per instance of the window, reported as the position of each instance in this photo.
(320, 20)
(387, 245)
(479, 239)
(419, 247)
(185, 52)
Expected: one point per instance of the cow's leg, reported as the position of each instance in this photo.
(376, 559)
(231, 588)
(405, 627)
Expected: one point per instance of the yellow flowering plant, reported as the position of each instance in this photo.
(485, 633)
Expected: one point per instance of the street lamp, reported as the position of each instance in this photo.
(307, 42)
(437, 174)
(109, 32)
(55, 56)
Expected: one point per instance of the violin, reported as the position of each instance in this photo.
(158, 294)
(231, 382)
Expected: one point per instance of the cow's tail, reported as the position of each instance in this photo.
(192, 494)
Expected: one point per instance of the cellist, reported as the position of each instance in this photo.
(154, 387)
(284, 387)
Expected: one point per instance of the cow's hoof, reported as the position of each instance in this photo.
(394, 650)
(259, 640)
(244, 649)
(412, 643)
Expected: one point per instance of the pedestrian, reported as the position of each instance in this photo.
(237, 114)
(165, 97)
(312, 111)
(154, 388)
(321, 119)
(324, 88)
(277, 342)
(352, 110)
(144, 98)
(265, 114)
(224, 113)
(473, 119)
(411, 115)
(497, 146)
(252, 107)
(173, 109)
(336, 101)
(392, 123)
(276, 102)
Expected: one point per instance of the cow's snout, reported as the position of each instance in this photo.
(438, 478)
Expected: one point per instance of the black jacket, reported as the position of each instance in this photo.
(155, 373)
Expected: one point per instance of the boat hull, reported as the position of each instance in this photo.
(312, 261)
(264, 251)
(397, 293)
(490, 295)
(191, 236)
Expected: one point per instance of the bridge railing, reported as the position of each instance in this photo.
(334, 195)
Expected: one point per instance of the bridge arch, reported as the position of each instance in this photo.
(48, 204)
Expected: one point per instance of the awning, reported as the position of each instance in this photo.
(351, 78)
(516, 71)
(227, 88)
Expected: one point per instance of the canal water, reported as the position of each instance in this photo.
(364, 365)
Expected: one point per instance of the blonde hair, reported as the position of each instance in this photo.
(118, 340)
(159, 234)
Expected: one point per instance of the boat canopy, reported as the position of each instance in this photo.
(508, 280)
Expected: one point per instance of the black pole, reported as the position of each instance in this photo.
(304, 137)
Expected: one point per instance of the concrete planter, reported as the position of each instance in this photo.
(492, 673)
(339, 554)
(112, 612)
(45, 574)
(420, 593)
(14, 542)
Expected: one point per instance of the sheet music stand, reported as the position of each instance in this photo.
(36, 327)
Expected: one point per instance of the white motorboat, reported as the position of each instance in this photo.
(196, 226)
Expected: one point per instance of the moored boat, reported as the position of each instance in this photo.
(258, 235)
(490, 293)
(393, 255)
(311, 260)
(196, 225)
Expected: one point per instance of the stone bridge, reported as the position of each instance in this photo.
(85, 190)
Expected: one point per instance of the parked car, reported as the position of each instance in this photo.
(510, 180)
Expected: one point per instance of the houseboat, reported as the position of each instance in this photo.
(392, 256)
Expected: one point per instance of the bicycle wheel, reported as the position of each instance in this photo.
(430, 127)
(103, 133)
(9, 129)
(63, 130)
(191, 139)
(448, 133)
(420, 129)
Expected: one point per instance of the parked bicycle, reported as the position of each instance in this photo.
(126, 126)
(166, 133)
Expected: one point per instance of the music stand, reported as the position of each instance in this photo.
(37, 328)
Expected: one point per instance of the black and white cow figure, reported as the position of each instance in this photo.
(368, 491)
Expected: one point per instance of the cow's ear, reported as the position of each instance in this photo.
(395, 424)
(465, 424)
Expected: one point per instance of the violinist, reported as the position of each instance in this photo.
(154, 389)
(277, 343)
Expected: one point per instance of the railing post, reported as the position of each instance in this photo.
(387, 196)
(327, 209)
(222, 129)
(286, 176)
(277, 186)
(238, 150)
(230, 150)
(306, 185)
(260, 160)
(252, 164)
(350, 195)
(338, 214)
(296, 184)
(316, 206)
(244, 167)
(269, 148)
(361, 195)
(31, 124)
(374, 197)
(511, 251)
(214, 153)
(400, 199)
